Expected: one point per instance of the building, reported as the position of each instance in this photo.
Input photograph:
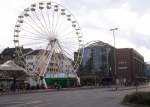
(59, 69)
(7, 54)
(130, 66)
(59, 66)
(97, 64)
(147, 70)
(11, 54)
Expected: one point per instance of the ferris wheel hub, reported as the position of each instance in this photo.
(48, 28)
(53, 37)
(52, 41)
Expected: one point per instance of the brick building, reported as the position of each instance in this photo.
(130, 66)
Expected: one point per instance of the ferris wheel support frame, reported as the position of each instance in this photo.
(45, 32)
(43, 71)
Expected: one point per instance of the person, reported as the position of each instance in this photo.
(55, 85)
(13, 87)
(2, 87)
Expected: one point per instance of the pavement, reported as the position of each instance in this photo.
(111, 88)
(95, 97)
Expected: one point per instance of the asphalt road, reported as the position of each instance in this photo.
(76, 98)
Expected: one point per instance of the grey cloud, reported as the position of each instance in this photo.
(94, 4)
(140, 6)
(140, 40)
(85, 7)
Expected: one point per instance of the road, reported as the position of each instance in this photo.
(76, 98)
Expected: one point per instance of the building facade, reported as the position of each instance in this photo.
(11, 54)
(97, 63)
(147, 70)
(59, 66)
(130, 66)
(59, 69)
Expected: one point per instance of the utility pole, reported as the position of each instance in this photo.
(115, 68)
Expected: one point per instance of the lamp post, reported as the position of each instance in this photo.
(115, 70)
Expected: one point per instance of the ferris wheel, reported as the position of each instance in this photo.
(52, 29)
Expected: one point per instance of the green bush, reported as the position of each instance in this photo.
(142, 98)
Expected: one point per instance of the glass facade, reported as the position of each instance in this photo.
(147, 70)
(97, 67)
(100, 57)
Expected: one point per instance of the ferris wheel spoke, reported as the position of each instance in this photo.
(69, 38)
(68, 43)
(68, 49)
(59, 28)
(63, 50)
(33, 28)
(56, 24)
(67, 53)
(40, 21)
(67, 33)
(33, 43)
(36, 23)
(33, 38)
(27, 31)
(48, 19)
(52, 22)
(65, 29)
(63, 54)
(45, 22)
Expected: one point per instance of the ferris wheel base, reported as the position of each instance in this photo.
(44, 82)
(36, 83)
(50, 82)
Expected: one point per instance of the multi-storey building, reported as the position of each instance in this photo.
(11, 54)
(147, 70)
(60, 66)
(130, 66)
(97, 63)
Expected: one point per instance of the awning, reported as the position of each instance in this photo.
(10, 69)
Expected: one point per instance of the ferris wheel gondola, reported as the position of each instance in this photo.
(51, 28)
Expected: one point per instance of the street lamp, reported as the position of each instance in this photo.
(113, 30)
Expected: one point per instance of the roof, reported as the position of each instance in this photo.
(34, 52)
(10, 69)
(8, 51)
(97, 43)
(130, 49)
(12, 51)
(10, 65)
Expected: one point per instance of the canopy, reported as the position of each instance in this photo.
(10, 69)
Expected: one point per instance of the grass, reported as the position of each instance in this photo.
(141, 98)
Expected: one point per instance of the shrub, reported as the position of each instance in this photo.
(142, 98)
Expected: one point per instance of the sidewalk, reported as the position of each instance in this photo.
(110, 88)
(26, 91)
(129, 87)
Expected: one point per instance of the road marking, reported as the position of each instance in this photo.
(41, 105)
(12, 103)
(33, 102)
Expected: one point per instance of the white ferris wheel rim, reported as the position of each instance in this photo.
(32, 12)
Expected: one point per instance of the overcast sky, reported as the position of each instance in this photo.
(95, 17)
